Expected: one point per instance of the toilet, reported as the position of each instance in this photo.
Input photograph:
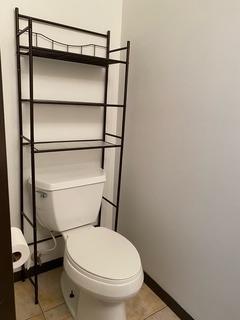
(102, 269)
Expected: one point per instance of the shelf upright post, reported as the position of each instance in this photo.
(105, 109)
(105, 95)
(123, 132)
(19, 82)
(30, 39)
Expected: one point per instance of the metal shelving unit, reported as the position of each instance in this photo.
(34, 50)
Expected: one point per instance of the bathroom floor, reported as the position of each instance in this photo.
(146, 305)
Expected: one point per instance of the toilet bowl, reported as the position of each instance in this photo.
(103, 269)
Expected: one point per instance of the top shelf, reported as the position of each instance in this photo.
(69, 56)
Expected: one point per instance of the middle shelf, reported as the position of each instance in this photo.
(69, 145)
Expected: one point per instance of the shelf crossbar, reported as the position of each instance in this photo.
(61, 25)
(22, 31)
(45, 239)
(72, 103)
(113, 135)
(26, 139)
(66, 141)
(27, 219)
(118, 49)
(110, 202)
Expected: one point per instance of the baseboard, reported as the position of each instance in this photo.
(46, 266)
(165, 297)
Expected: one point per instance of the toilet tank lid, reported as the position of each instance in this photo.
(65, 177)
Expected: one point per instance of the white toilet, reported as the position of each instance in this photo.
(101, 268)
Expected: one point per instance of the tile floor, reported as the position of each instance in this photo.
(146, 305)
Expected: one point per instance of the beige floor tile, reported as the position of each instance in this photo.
(59, 313)
(50, 294)
(165, 314)
(24, 301)
(40, 317)
(145, 303)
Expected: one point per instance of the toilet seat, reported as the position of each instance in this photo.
(102, 253)
(113, 284)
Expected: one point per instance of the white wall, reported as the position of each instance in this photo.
(180, 200)
(58, 80)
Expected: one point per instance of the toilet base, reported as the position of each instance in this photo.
(84, 306)
(70, 293)
(90, 308)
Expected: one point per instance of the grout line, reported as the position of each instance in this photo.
(155, 312)
(44, 316)
(39, 302)
(41, 310)
(58, 305)
(36, 315)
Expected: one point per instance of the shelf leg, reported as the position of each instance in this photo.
(30, 39)
(123, 134)
(19, 81)
(105, 112)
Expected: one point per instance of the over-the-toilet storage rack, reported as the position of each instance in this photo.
(33, 50)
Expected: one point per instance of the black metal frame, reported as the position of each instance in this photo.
(102, 144)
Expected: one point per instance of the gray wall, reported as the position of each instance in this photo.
(180, 200)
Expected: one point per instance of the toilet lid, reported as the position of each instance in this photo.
(104, 253)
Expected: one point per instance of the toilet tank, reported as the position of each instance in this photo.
(68, 197)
